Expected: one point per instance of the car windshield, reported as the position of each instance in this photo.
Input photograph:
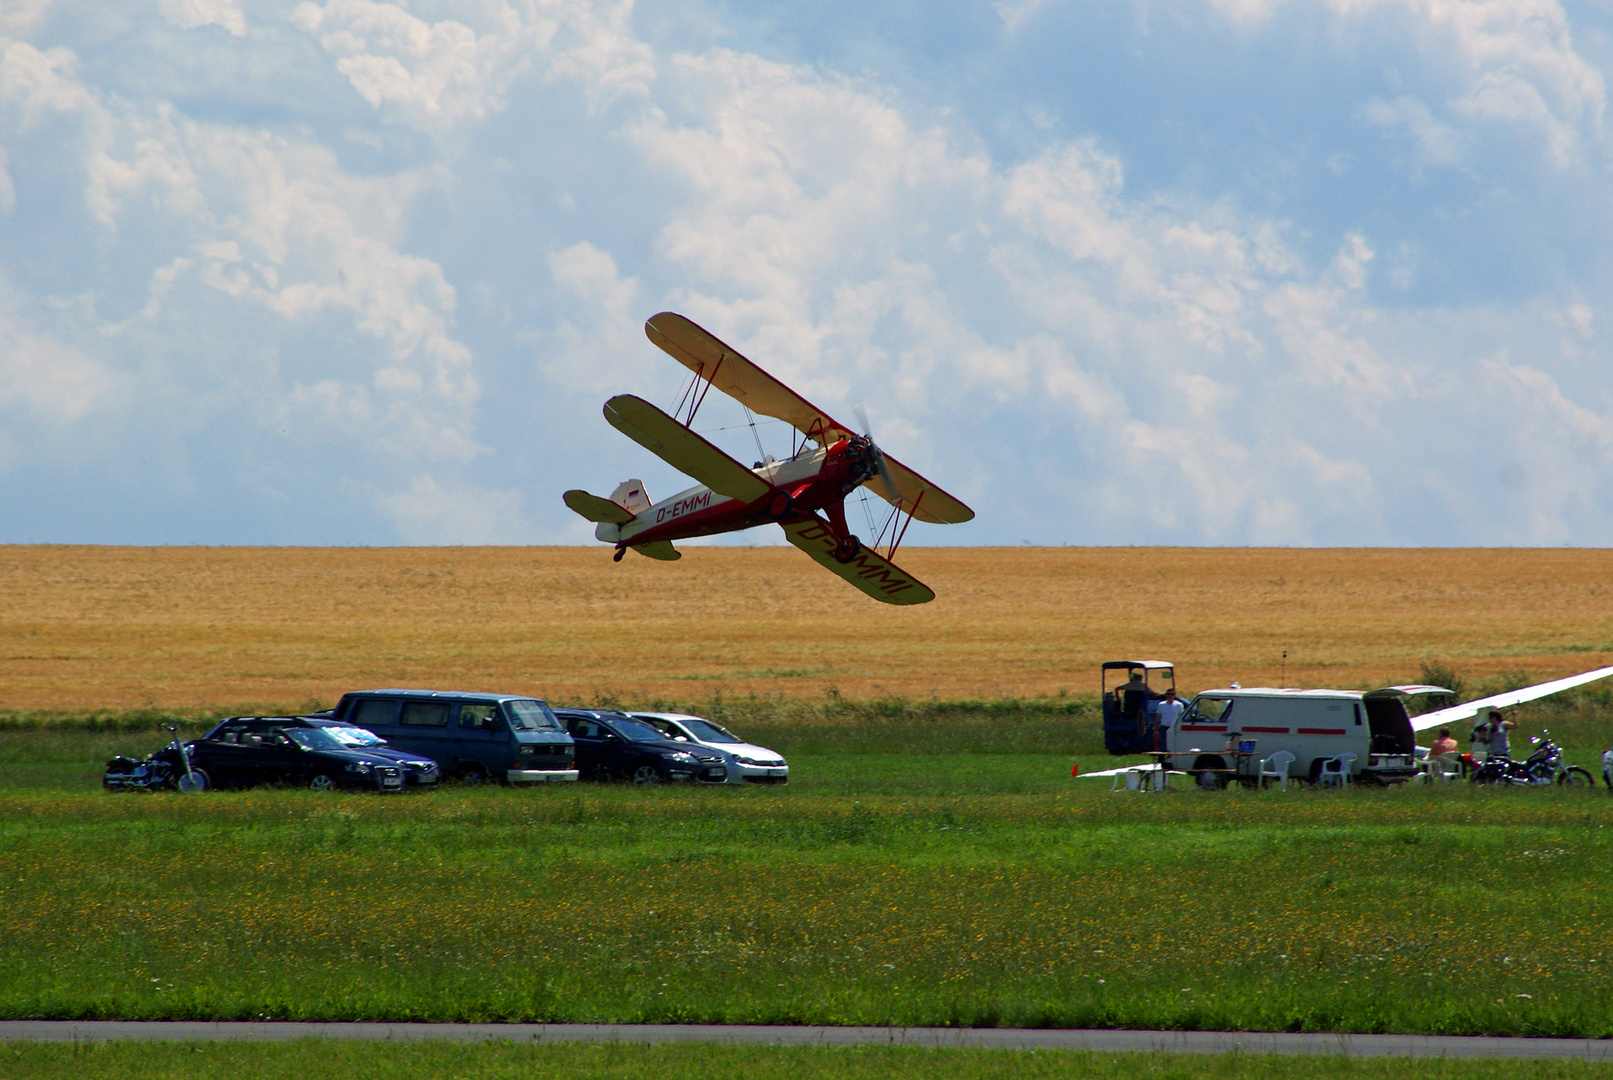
(312, 738)
(1208, 708)
(353, 736)
(706, 731)
(635, 730)
(527, 714)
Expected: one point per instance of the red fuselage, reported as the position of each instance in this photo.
(819, 481)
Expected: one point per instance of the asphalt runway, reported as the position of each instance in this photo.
(1176, 1042)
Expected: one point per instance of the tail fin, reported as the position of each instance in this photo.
(631, 494)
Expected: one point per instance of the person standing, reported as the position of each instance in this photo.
(1478, 741)
(1499, 726)
(1166, 715)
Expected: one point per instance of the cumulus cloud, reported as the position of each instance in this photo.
(191, 14)
(375, 297)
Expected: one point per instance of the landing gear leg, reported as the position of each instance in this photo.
(849, 546)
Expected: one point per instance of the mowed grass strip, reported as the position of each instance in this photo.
(706, 1061)
(236, 628)
(1451, 912)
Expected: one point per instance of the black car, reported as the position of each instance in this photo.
(419, 771)
(614, 746)
(322, 755)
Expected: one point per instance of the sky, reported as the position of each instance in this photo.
(1225, 272)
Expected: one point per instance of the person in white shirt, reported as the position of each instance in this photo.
(1607, 768)
(1166, 714)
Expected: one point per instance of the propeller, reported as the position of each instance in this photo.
(878, 454)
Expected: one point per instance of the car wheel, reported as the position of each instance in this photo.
(195, 781)
(321, 782)
(472, 777)
(646, 774)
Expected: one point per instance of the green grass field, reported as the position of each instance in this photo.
(618, 1062)
(1441, 911)
(928, 864)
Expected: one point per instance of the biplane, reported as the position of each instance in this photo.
(804, 493)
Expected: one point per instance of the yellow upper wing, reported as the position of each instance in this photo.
(721, 365)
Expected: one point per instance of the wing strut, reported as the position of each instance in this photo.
(897, 532)
(694, 399)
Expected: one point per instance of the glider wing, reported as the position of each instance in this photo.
(1457, 713)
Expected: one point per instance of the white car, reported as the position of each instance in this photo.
(753, 764)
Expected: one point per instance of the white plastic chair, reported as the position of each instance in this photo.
(1442, 768)
(1275, 767)
(1140, 779)
(1336, 771)
(1131, 778)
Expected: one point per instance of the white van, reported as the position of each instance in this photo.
(1314, 725)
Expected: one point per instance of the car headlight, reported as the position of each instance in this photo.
(361, 767)
(679, 755)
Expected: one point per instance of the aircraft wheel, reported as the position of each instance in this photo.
(848, 549)
(780, 505)
(618, 556)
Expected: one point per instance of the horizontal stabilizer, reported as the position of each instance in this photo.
(659, 549)
(874, 575)
(683, 449)
(596, 509)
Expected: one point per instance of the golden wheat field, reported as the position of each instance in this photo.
(196, 627)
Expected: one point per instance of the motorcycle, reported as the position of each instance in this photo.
(168, 768)
(1544, 766)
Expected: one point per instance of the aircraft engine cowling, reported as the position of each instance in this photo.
(853, 465)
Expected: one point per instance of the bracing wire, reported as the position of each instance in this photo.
(760, 453)
(867, 513)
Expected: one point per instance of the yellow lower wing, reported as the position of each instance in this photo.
(874, 575)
